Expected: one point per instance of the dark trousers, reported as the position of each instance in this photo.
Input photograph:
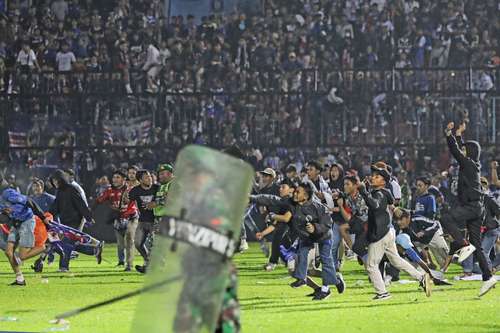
(470, 216)
(279, 233)
(144, 229)
(360, 246)
(70, 246)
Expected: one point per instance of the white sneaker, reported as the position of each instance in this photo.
(465, 252)
(487, 286)
(243, 245)
(270, 267)
(350, 255)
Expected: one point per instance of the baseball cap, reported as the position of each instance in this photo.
(269, 172)
(165, 167)
(382, 169)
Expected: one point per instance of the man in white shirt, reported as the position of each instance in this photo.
(26, 58)
(60, 9)
(152, 66)
(65, 59)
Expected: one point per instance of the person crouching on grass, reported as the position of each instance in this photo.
(381, 235)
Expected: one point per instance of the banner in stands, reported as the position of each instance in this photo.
(128, 132)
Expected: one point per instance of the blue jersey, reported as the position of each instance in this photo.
(425, 205)
(44, 200)
(17, 203)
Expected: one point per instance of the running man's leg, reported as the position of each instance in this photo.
(392, 254)
(279, 232)
(129, 241)
(376, 252)
(120, 247)
(474, 228)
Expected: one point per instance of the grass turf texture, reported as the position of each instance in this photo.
(268, 303)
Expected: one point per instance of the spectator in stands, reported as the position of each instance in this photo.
(60, 9)
(64, 60)
(26, 59)
(152, 67)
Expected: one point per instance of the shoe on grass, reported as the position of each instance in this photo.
(38, 265)
(243, 245)
(321, 295)
(18, 283)
(269, 267)
(381, 297)
(487, 286)
(317, 290)
(340, 284)
(140, 269)
(298, 283)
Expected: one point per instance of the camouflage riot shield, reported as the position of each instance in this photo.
(189, 260)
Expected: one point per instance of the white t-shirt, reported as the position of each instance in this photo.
(64, 61)
(26, 59)
(153, 57)
(396, 189)
(60, 8)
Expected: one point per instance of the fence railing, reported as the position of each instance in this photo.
(255, 80)
(60, 112)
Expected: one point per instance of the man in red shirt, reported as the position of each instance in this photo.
(125, 219)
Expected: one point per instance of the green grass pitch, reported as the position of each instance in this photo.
(268, 303)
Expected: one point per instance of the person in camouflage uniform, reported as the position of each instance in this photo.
(195, 309)
(229, 319)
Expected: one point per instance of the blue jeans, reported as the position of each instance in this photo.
(328, 272)
(336, 239)
(121, 254)
(70, 246)
(487, 244)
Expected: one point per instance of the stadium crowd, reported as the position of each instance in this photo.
(302, 72)
(238, 52)
(80, 78)
(418, 200)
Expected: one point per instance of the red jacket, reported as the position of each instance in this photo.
(114, 195)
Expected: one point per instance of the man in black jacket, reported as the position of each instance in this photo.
(313, 224)
(71, 208)
(69, 204)
(470, 210)
(381, 235)
(278, 222)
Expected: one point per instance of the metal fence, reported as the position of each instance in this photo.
(274, 108)
(260, 79)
